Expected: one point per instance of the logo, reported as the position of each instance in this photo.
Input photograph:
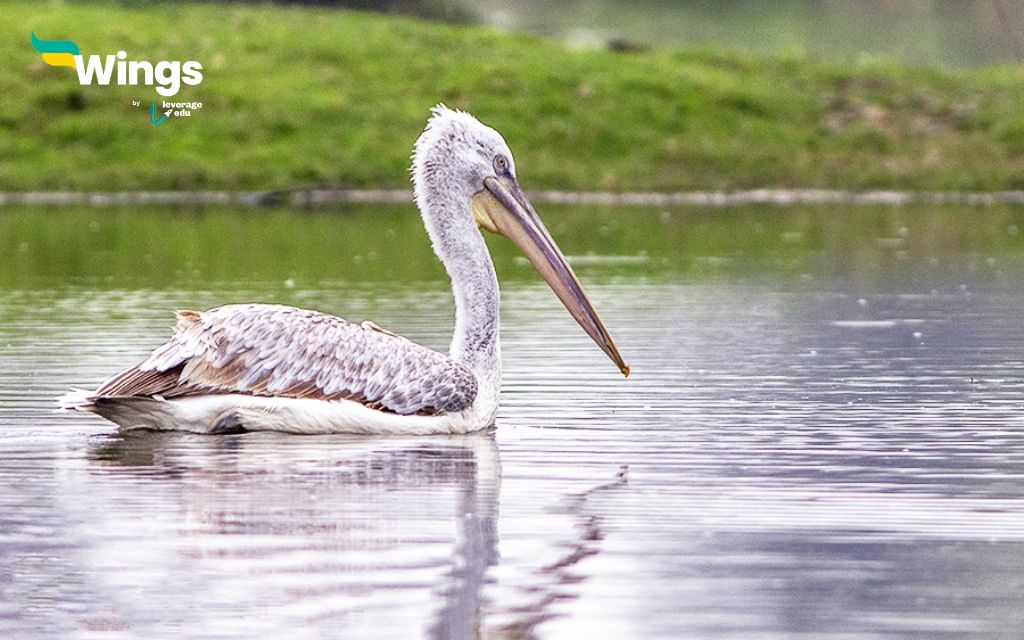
(152, 115)
(165, 76)
(56, 53)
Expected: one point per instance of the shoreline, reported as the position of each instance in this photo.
(325, 197)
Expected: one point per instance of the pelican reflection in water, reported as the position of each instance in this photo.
(259, 367)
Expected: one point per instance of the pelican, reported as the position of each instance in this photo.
(263, 367)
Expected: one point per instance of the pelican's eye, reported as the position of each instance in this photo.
(500, 164)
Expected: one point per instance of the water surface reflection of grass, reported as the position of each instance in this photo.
(153, 247)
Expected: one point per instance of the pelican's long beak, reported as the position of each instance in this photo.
(501, 207)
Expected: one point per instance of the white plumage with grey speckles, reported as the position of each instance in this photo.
(257, 367)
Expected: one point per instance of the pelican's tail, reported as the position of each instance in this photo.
(77, 400)
(217, 413)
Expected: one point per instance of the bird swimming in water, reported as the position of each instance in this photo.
(263, 367)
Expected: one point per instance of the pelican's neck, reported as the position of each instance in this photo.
(460, 246)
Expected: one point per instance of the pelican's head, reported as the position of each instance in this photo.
(462, 158)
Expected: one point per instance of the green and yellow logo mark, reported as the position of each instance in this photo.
(56, 53)
(166, 76)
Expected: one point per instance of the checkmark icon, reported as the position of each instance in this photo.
(152, 115)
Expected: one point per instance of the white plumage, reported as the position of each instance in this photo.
(269, 367)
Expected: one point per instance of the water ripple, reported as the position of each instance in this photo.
(822, 462)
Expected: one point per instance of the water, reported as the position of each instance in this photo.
(823, 437)
(947, 33)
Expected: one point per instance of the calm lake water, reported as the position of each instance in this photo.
(823, 436)
(948, 33)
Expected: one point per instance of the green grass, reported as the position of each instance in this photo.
(300, 96)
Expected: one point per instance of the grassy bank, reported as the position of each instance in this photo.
(297, 96)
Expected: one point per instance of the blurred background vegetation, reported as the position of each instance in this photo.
(948, 33)
(591, 94)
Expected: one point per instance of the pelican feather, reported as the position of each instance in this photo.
(248, 367)
(281, 351)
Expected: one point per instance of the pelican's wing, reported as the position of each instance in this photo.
(275, 350)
